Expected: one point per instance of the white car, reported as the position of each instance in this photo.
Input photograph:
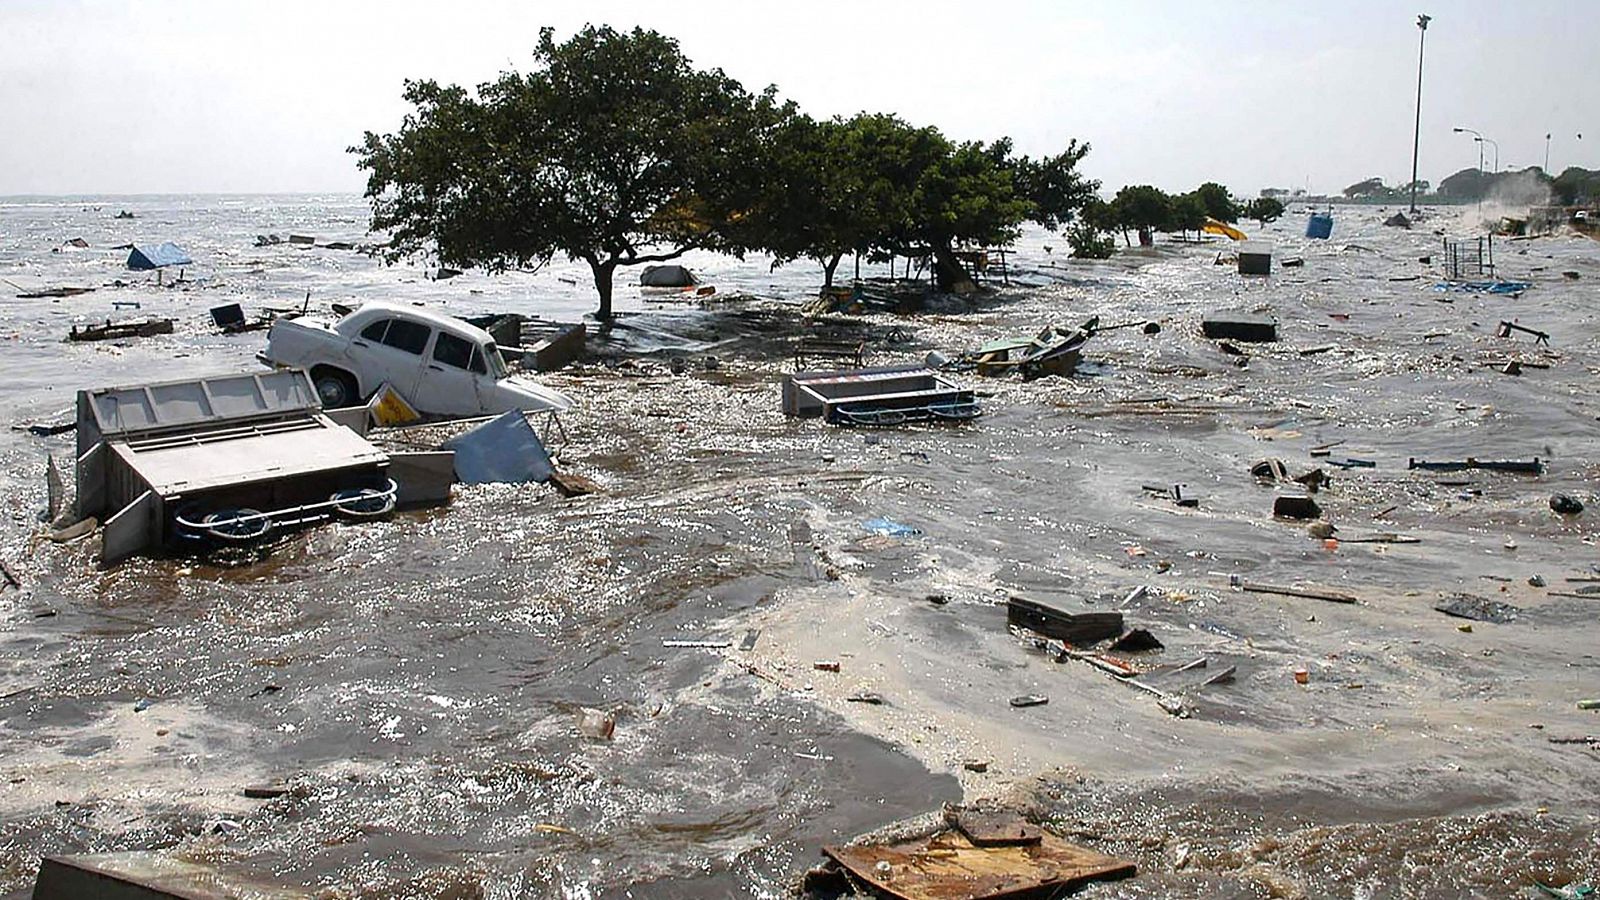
(441, 365)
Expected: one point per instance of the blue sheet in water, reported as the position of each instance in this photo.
(168, 254)
(1484, 287)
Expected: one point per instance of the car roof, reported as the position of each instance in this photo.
(379, 308)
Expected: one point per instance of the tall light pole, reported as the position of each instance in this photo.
(1478, 139)
(1416, 137)
(1491, 142)
(1547, 153)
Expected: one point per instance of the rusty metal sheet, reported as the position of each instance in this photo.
(992, 828)
(948, 866)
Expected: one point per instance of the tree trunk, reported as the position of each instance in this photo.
(828, 266)
(602, 285)
(952, 276)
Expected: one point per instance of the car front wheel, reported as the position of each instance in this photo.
(335, 389)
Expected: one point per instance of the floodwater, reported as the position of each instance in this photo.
(416, 683)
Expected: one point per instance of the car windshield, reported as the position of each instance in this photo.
(497, 363)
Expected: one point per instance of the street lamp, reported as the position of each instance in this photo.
(1492, 143)
(1416, 137)
(1547, 153)
(1476, 137)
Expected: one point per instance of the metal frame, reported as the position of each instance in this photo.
(317, 513)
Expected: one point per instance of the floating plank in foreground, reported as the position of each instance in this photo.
(948, 865)
(1308, 593)
(142, 875)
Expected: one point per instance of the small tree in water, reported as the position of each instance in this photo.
(1264, 210)
(615, 151)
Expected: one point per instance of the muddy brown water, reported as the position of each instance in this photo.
(416, 682)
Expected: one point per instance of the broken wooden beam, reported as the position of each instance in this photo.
(1527, 467)
(1308, 593)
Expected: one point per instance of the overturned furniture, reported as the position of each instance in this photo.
(1054, 351)
(230, 460)
(887, 395)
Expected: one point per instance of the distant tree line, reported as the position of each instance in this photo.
(1145, 210)
(616, 150)
(1572, 187)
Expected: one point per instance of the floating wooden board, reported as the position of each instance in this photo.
(948, 866)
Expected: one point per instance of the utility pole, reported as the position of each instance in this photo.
(1547, 153)
(1416, 138)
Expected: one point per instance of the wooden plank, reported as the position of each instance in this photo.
(1308, 593)
(948, 865)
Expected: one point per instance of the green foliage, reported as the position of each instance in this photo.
(1576, 186)
(1090, 235)
(1264, 209)
(1088, 242)
(1188, 212)
(615, 150)
(840, 186)
(1054, 186)
(1143, 207)
(1217, 202)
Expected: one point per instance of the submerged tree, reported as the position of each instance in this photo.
(1188, 213)
(1218, 204)
(1090, 237)
(615, 151)
(1264, 209)
(841, 186)
(1142, 207)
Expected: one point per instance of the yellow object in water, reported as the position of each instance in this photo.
(1214, 226)
(389, 408)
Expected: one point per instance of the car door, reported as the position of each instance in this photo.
(390, 351)
(450, 377)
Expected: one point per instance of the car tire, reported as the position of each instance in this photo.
(336, 389)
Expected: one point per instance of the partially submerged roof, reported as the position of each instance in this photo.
(168, 254)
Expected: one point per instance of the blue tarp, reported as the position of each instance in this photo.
(503, 449)
(168, 254)
(1484, 287)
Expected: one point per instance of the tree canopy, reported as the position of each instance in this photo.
(615, 150)
(1217, 202)
(1264, 209)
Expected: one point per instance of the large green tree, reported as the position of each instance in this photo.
(1264, 209)
(978, 194)
(1218, 202)
(841, 186)
(1142, 207)
(614, 150)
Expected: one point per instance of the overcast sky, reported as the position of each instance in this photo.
(264, 96)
